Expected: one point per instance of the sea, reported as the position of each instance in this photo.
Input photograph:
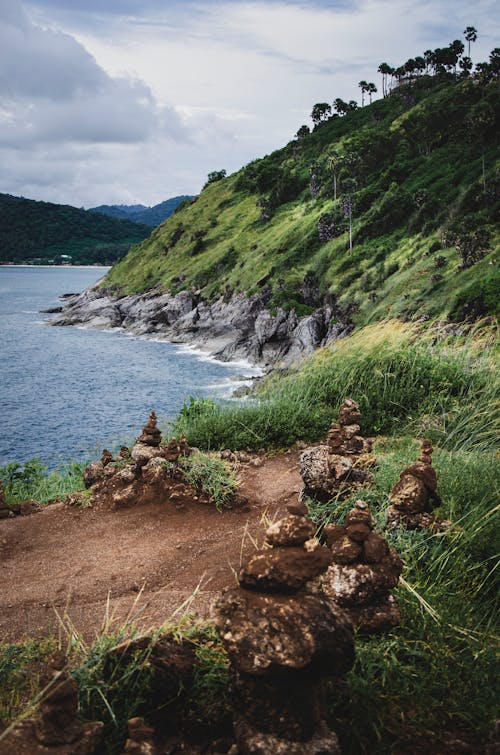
(68, 392)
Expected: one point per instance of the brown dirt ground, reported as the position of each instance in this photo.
(144, 562)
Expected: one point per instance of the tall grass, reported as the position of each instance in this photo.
(32, 481)
(400, 378)
(437, 672)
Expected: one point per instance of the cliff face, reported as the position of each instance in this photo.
(235, 327)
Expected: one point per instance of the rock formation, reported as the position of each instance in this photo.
(230, 328)
(415, 495)
(149, 473)
(57, 728)
(282, 641)
(335, 469)
(140, 738)
(363, 572)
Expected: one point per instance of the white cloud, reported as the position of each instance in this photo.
(121, 100)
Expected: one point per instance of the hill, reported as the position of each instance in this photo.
(44, 232)
(139, 213)
(416, 171)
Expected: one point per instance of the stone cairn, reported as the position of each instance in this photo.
(335, 469)
(57, 727)
(282, 641)
(415, 495)
(363, 572)
(140, 475)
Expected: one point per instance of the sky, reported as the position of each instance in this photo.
(136, 101)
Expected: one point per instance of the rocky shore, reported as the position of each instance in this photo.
(229, 328)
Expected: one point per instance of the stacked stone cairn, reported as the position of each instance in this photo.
(140, 475)
(415, 495)
(335, 469)
(57, 728)
(283, 641)
(363, 572)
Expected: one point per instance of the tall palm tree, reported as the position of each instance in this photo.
(470, 34)
(363, 86)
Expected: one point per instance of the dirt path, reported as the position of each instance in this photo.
(148, 559)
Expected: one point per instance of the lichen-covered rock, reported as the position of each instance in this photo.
(335, 469)
(364, 571)
(93, 473)
(286, 569)
(266, 633)
(415, 495)
(292, 530)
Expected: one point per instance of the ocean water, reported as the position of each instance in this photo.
(66, 393)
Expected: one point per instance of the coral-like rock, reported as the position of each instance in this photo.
(266, 633)
(151, 435)
(284, 569)
(365, 569)
(342, 465)
(415, 495)
(292, 530)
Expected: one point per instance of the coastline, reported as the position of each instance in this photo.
(229, 329)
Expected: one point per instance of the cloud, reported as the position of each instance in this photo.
(137, 100)
(53, 90)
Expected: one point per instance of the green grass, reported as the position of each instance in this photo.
(407, 197)
(31, 480)
(211, 476)
(437, 672)
(401, 377)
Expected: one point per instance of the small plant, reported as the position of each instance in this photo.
(211, 476)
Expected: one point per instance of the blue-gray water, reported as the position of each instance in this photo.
(66, 392)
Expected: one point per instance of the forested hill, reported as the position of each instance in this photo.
(411, 180)
(43, 232)
(139, 213)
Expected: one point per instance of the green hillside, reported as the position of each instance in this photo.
(42, 232)
(409, 167)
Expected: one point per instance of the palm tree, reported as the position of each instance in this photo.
(371, 89)
(385, 69)
(363, 86)
(470, 34)
(334, 163)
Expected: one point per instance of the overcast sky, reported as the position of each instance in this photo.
(125, 101)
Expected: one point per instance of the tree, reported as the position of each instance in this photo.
(215, 175)
(352, 105)
(363, 85)
(371, 89)
(303, 132)
(470, 34)
(334, 163)
(386, 70)
(340, 106)
(465, 64)
(320, 112)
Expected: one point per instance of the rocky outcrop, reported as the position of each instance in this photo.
(57, 728)
(230, 328)
(335, 469)
(282, 641)
(415, 495)
(363, 572)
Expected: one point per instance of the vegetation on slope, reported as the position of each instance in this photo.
(51, 233)
(418, 171)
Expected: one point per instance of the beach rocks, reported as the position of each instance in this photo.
(282, 641)
(363, 572)
(415, 495)
(333, 470)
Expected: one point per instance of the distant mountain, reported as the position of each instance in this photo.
(139, 213)
(43, 232)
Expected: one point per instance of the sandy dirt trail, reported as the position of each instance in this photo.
(147, 560)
